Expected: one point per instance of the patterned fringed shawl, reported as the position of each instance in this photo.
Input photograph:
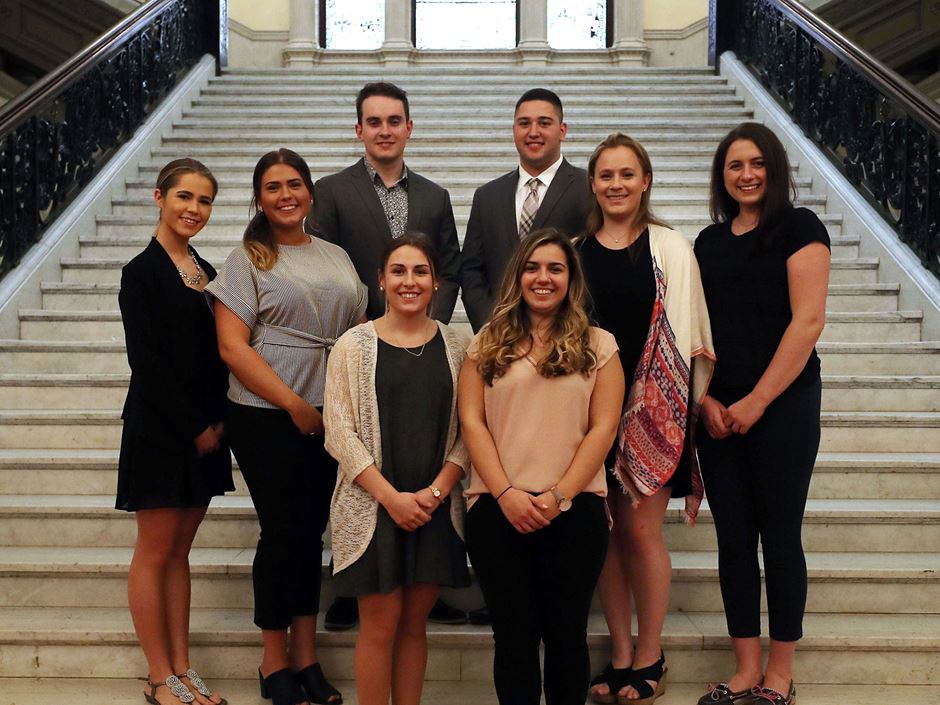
(671, 377)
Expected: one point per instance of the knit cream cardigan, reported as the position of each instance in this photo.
(353, 437)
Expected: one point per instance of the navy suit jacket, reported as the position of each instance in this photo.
(493, 233)
(347, 211)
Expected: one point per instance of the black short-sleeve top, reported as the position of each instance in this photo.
(748, 297)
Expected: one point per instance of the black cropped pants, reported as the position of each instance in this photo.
(538, 588)
(291, 478)
(756, 486)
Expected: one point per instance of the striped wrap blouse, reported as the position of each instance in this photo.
(295, 311)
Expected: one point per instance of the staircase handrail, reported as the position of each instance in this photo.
(872, 123)
(56, 135)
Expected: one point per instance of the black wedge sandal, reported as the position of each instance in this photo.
(638, 681)
(318, 689)
(614, 679)
(282, 688)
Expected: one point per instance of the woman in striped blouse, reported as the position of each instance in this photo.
(281, 302)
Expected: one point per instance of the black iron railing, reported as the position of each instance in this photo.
(56, 136)
(881, 131)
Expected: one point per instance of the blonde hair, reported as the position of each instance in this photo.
(644, 214)
(503, 340)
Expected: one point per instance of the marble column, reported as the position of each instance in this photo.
(533, 31)
(629, 47)
(303, 45)
(398, 45)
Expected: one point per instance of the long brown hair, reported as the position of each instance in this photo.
(506, 338)
(644, 215)
(258, 239)
(780, 190)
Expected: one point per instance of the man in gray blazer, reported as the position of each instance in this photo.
(544, 191)
(378, 198)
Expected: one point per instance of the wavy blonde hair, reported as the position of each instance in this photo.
(507, 336)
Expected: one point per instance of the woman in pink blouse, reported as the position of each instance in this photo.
(539, 405)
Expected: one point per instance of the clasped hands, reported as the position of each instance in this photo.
(411, 510)
(721, 421)
(528, 513)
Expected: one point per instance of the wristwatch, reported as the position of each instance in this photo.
(435, 491)
(564, 504)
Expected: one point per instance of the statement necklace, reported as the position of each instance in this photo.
(195, 278)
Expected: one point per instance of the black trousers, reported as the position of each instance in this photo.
(538, 588)
(291, 478)
(756, 486)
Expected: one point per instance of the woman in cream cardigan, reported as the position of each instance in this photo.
(397, 512)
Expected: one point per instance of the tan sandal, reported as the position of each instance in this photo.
(176, 687)
(199, 685)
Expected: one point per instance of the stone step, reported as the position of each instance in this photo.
(226, 225)
(490, 159)
(830, 525)
(680, 199)
(506, 94)
(32, 356)
(100, 643)
(497, 75)
(475, 115)
(883, 583)
(836, 476)
(94, 691)
(875, 431)
(855, 297)
(39, 324)
(918, 358)
(576, 104)
(104, 297)
(107, 391)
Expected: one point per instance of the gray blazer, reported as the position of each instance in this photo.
(347, 211)
(493, 233)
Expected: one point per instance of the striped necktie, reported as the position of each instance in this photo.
(530, 207)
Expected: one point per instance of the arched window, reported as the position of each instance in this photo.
(353, 25)
(465, 24)
(578, 24)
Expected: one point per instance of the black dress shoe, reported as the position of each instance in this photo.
(442, 613)
(343, 614)
(480, 616)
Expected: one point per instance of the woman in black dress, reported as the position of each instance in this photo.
(174, 457)
(397, 513)
(645, 289)
(765, 268)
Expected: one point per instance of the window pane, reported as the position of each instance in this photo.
(465, 24)
(577, 24)
(354, 25)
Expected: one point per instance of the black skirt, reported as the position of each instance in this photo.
(154, 474)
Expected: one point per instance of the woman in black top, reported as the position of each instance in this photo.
(174, 457)
(644, 289)
(765, 269)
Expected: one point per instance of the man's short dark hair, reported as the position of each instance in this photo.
(384, 89)
(542, 94)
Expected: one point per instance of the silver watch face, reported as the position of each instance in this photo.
(436, 492)
(564, 505)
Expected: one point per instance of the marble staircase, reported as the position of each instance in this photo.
(872, 529)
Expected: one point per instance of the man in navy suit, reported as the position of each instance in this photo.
(378, 198)
(560, 192)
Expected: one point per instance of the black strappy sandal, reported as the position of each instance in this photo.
(176, 687)
(638, 681)
(282, 688)
(614, 679)
(318, 689)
